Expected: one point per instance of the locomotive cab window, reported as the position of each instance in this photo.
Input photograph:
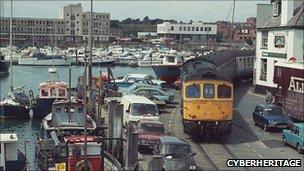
(223, 91)
(193, 91)
(208, 91)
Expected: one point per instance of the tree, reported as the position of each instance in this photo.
(114, 23)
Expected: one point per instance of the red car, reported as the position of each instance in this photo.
(149, 132)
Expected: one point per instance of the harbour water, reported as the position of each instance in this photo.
(28, 130)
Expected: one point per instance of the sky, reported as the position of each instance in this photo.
(203, 10)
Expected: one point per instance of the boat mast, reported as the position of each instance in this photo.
(89, 76)
(90, 45)
(11, 48)
(232, 21)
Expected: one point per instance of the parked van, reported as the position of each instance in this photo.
(138, 107)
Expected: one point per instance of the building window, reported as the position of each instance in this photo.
(276, 8)
(209, 28)
(68, 14)
(202, 29)
(188, 28)
(180, 28)
(185, 28)
(193, 28)
(197, 28)
(263, 75)
(264, 39)
(172, 28)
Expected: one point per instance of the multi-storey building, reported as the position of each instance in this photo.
(70, 30)
(196, 31)
(280, 28)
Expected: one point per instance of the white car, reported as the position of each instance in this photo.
(138, 107)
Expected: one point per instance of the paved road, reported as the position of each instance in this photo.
(246, 141)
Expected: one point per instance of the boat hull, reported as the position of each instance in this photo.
(14, 111)
(44, 62)
(168, 73)
(41, 106)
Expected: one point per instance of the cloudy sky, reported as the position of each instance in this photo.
(203, 10)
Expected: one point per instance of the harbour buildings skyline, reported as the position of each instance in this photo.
(71, 29)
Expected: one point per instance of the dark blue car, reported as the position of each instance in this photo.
(270, 116)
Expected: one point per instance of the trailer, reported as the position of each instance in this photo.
(289, 77)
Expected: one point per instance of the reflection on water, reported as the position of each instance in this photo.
(28, 130)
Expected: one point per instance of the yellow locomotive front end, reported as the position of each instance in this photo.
(207, 106)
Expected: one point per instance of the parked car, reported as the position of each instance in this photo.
(138, 107)
(161, 105)
(130, 79)
(158, 93)
(294, 136)
(136, 86)
(149, 132)
(174, 153)
(270, 116)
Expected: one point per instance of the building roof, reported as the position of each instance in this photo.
(275, 22)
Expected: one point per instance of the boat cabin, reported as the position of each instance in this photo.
(173, 60)
(56, 90)
(67, 117)
(10, 157)
(75, 152)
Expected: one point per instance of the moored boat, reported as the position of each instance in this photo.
(68, 153)
(48, 92)
(10, 157)
(16, 105)
(67, 117)
(41, 59)
(169, 70)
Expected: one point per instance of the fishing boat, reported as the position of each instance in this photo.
(169, 70)
(10, 157)
(67, 117)
(48, 92)
(16, 104)
(68, 154)
(4, 65)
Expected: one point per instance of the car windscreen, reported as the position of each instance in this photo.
(275, 110)
(148, 127)
(139, 109)
(175, 149)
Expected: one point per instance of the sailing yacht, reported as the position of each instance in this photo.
(16, 104)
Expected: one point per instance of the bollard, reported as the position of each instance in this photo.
(111, 110)
(131, 148)
(117, 132)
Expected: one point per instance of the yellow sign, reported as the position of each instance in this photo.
(60, 167)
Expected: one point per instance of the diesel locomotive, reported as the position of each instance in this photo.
(207, 91)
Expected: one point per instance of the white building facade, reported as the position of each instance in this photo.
(279, 37)
(195, 31)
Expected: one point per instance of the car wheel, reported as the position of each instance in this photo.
(284, 140)
(265, 127)
(299, 149)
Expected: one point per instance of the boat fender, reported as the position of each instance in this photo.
(80, 165)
